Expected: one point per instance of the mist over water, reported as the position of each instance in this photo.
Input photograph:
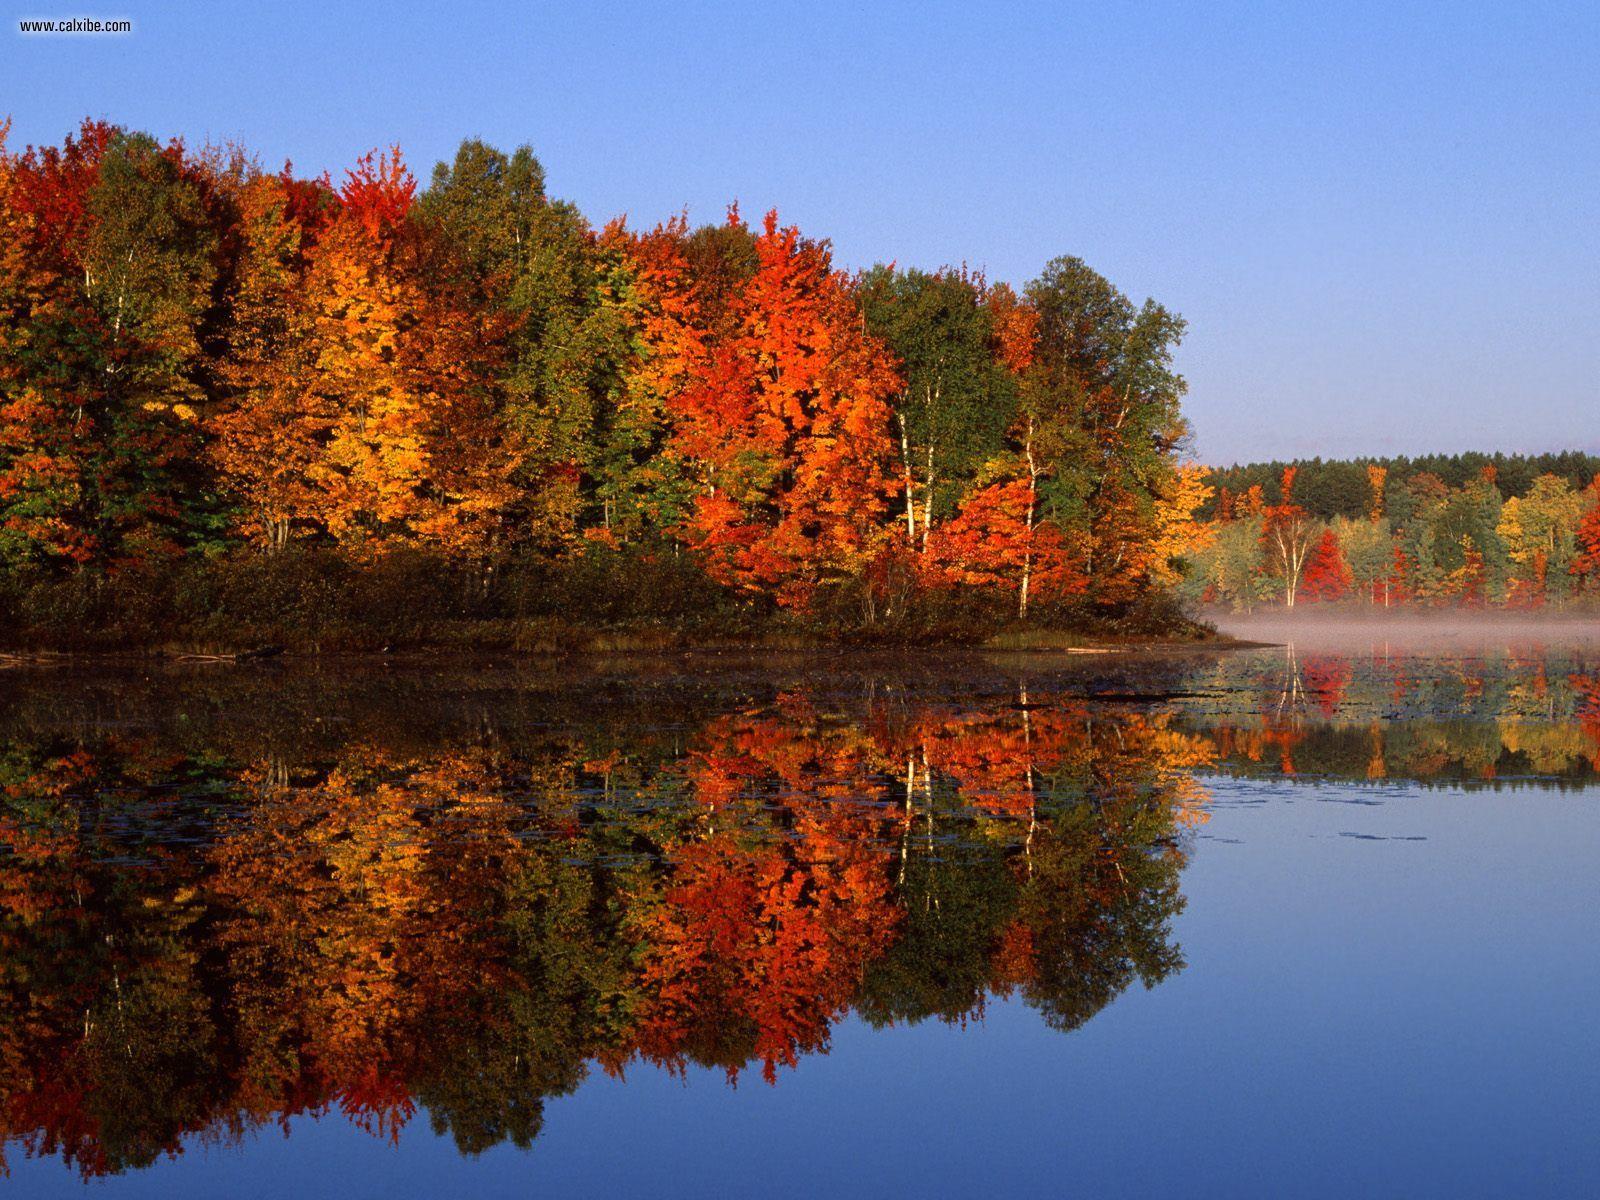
(1407, 631)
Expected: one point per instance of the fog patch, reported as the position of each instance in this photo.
(1408, 631)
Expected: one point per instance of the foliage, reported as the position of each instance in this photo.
(204, 361)
(1357, 488)
(1327, 575)
(1418, 541)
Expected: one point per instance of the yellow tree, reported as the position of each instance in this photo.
(270, 433)
(1376, 477)
(414, 449)
(1177, 532)
(1539, 531)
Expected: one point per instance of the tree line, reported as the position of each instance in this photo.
(1330, 488)
(206, 366)
(1414, 540)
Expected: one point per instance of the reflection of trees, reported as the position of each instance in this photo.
(1511, 719)
(201, 937)
(468, 931)
(105, 1027)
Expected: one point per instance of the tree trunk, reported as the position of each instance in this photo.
(927, 500)
(905, 463)
(1027, 550)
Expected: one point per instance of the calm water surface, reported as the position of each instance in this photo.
(1311, 922)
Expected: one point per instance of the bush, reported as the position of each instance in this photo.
(318, 599)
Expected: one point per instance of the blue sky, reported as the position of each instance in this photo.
(1382, 221)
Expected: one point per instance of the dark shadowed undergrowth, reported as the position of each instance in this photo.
(319, 601)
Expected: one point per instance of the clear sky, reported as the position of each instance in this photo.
(1381, 220)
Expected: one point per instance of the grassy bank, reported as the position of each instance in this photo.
(320, 603)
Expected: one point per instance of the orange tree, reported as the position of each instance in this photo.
(787, 425)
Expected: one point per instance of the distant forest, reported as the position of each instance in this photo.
(1464, 530)
(1329, 488)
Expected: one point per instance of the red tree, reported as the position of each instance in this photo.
(1327, 574)
(790, 420)
(995, 542)
(1587, 563)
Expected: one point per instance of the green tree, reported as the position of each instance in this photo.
(1230, 570)
(511, 248)
(1467, 544)
(951, 416)
(1103, 402)
(1369, 550)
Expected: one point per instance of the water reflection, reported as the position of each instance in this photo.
(195, 944)
(227, 901)
(1495, 718)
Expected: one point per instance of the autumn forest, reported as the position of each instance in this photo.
(249, 394)
(240, 405)
(1459, 531)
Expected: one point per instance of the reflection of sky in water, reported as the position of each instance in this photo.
(1390, 990)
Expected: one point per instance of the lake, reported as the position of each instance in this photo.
(1313, 920)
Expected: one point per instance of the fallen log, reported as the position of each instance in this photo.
(259, 652)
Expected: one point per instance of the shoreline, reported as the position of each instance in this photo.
(1051, 646)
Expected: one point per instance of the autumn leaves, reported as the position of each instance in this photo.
(775, 409)
(1404, 539)
(206, 358)
(468, 926)
(360, 407)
